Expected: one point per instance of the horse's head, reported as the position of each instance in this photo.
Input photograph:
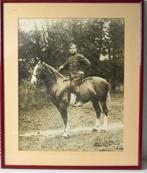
(41, 72)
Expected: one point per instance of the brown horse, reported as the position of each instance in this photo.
(94, 89)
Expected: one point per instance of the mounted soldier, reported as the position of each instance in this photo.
(76, 65)
(94, 89)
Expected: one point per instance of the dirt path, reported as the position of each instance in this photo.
(41, 128)
(76, 131)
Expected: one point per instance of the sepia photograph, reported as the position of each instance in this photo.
(71, 84)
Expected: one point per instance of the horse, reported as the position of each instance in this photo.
(94, 89)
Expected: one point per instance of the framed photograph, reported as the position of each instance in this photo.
(71, 84)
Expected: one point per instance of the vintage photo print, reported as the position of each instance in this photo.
(71, 84)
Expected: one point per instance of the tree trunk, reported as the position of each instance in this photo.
(113, 79)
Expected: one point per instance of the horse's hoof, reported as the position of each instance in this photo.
(94, 130)
(104, 128)
(65, 135)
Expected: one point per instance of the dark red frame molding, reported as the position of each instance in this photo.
(129, 167)
(73, 1)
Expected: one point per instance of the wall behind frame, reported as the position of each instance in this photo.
(145, 85)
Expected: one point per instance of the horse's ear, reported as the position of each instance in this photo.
(40, 62)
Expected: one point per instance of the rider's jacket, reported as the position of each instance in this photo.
(76, 63)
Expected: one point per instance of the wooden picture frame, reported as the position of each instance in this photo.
(17, 149)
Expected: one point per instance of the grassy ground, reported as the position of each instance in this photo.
(40, 128)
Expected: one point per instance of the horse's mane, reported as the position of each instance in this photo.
(54, 71)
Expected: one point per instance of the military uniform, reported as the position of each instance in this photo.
(76, 65)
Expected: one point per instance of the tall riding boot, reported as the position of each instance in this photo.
(78, 102)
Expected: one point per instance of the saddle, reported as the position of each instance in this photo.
(75, 83)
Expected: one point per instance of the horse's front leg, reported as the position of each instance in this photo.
(63, 111)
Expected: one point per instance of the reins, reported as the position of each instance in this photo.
(55, 71)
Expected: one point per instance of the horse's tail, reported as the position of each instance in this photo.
(108, 101)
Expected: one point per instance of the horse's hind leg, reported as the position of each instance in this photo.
(97, 108)
(105, 112)
(63, 111)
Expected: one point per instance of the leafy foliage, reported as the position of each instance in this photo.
(99, 40)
